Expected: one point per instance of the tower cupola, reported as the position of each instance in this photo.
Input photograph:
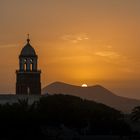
(28, 58)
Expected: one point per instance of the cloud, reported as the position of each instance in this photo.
(8, 46)
(75, 38)
(108, 54)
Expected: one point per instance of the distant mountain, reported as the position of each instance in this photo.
(96, 93)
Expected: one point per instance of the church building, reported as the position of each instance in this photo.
(28, 76)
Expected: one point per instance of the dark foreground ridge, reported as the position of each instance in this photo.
(95, 93)
(60, 117)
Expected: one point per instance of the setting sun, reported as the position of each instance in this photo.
(84, 85)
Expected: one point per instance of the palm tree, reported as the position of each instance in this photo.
(135, 115)
(23, 103)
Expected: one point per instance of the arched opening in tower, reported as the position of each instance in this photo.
(31, 67)
(25, 66)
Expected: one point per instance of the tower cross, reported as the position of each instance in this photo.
(28, 38)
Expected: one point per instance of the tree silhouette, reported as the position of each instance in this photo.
(135, 115)
(50, 113)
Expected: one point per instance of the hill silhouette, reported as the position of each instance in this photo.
(56, 115)
(96, 93)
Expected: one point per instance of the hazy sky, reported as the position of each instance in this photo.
(77, 41)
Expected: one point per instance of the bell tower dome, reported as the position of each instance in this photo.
(28, 58)
(28, 75)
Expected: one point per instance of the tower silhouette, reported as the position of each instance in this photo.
(28, 75)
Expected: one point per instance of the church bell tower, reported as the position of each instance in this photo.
(28, 75)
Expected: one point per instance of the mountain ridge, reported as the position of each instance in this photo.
(95, 93)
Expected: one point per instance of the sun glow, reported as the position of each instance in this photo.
(84, 85)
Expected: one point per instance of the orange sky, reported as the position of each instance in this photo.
(77, 41)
